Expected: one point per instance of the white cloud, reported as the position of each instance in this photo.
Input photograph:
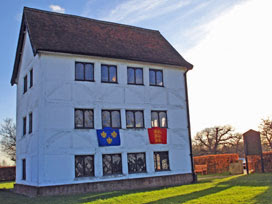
(57, 8)
(231, 81)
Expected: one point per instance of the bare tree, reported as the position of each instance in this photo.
(266, 133)
(8, 138)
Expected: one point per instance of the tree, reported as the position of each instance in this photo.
(8, 138)
(218, 139)
(266, 133)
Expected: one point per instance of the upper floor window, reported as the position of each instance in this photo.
(136, 162)
(30, 123)
(108, 73)
(25, 84)
(159, 119)
(84, 71)
(161, 161)
(112, 164)
(111, 118)
(155, 77)
(84, 165)
(24, 125)
(135, 118)
(135, 76)
(31, 78)
(84, 118)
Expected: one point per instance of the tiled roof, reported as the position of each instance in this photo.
(64, 33)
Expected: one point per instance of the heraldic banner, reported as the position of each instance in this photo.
(157, 135)
(108, 137)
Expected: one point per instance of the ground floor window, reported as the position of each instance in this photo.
(23, 169)
(84, 165)
(161, 161)
(136, 163)
(112, 164)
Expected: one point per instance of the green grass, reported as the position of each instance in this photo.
(254, 188)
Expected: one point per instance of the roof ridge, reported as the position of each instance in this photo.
(90, 19)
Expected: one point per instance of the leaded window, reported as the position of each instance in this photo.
(135, 76)
(155, 77)
(161, 161)
(108, 73)
(111, 118)
(112, 164)
(25, 84)
(84, 71)
(136, 162)
(84, 118)
(159, 119)
(135, 118)
(84, 165)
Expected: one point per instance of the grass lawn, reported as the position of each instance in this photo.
(253, 188)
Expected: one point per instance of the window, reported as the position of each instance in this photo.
(30, 123)
(161, 161)
(31, 78)
(155, 77)
(135, 119)
(84, 119)
(135, 76)
(23, 169)
(84, 71)
(25, 84)
(136, 163)
(84, 165)
(159, 119)
(112, 164)
(111, 118)
(108, 73)
(24, 125)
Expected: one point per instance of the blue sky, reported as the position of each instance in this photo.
(229, 43)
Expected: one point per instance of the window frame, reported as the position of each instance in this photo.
(159, 121)
(118, 173)
(134, 124)
(108, 68)
(30, 122)
(24, 169)
(111, 110)
(24, 125)
(83, 109)
(138, 172)
(25, 84)
(134, 70)
(31, 78)
(155, 160)
(156, 70)
(84, 173)
(84, 76)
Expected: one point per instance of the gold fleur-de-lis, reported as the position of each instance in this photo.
(109, 140)
(114, 134)
(103, 134)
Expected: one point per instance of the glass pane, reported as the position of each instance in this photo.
(132, 163)
(130, 75)
(104, 73)
(139, 119)
(152, 77)
(88, 114)
(107, 168)
(113, 75)
(89, 72)
(79, 166)
(141, 162)
(106, 119)
(116, 164)
(79, 71)
(116, 123)
(88, 165)
(164, 161)
(159, 78)
(158, 159)
(79, 118)
(154, 119)
(163, 121)
(130, 119)
(139, 76)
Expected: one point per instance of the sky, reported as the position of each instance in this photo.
(228, 42)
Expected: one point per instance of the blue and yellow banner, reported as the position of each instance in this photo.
(108, 137)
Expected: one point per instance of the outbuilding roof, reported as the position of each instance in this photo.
(55, 32)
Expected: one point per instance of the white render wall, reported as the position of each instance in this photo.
(54, 142)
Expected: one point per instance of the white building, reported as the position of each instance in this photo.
(75, 75)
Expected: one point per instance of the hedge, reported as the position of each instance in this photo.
(7, 173)
(218, 163)
(254, 162)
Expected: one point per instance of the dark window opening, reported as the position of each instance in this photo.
(31, 78)
(108, 73)
(135, 118)
(24, 125)
(155, 77)
(23, 169)
(30, 123)
(136, 163)
(111, 118)
(135, 76)
(159, 119)
(25, 84)
(84, 119)
(84, 71)
(112, 164)
(161, 161)
(84, 165)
